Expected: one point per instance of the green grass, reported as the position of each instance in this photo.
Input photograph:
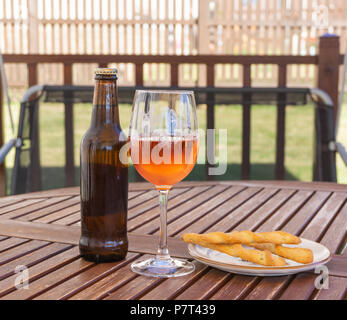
(298, 148)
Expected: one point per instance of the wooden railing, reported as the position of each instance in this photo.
(327, 62)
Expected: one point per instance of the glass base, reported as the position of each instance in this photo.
(163, 268)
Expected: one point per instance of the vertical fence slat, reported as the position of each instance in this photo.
(33, 31)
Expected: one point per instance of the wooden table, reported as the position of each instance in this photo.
(41, 231)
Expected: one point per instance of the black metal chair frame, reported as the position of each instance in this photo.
(26, 176)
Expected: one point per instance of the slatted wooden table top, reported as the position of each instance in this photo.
(41, 231)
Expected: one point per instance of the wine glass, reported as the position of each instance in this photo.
(164, 144)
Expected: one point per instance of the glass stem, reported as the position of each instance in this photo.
(163, 251)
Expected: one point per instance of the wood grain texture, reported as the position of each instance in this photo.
(9, 209)
(236, 288)
(40, 269)
(231, 221)
(36, 210)
(50, 280)
(59, 209)
(87, 278)
(337, 266)
(141, 59)
(336, 291)
(268, 288)
(206, 286)
(41, 230)
(71, 234)
(170, 288)
(337, 231)
(146, 186)
(174, 203)
(300, 288)
(219, 213)
(186, 208)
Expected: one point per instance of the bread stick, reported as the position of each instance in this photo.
(242, 237)
(278, 237)
(300, 255)
(262, 257)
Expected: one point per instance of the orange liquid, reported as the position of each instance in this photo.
(164, 163)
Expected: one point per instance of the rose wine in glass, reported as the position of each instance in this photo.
(164, 144)
(168, 172)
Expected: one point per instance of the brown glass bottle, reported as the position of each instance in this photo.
(104, 178)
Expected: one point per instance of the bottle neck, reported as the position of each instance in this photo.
(105, 103)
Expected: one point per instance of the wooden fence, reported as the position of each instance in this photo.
(169, 27)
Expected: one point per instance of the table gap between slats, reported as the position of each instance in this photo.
(50, 210)
(41, 205)
(175, 203)
(207, 204)
(19, 205)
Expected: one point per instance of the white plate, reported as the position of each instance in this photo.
(228, 263)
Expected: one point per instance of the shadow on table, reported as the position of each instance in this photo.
(54, 177)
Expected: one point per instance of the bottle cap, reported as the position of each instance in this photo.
(106, 73)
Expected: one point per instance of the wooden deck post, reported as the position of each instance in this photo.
(281, 125)
(69, 133)
(210, 121)
(139, 74)
(138, 82)
(2, 166)
(328, 66)
(174, 75)
(35, 174)
(246, 125)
